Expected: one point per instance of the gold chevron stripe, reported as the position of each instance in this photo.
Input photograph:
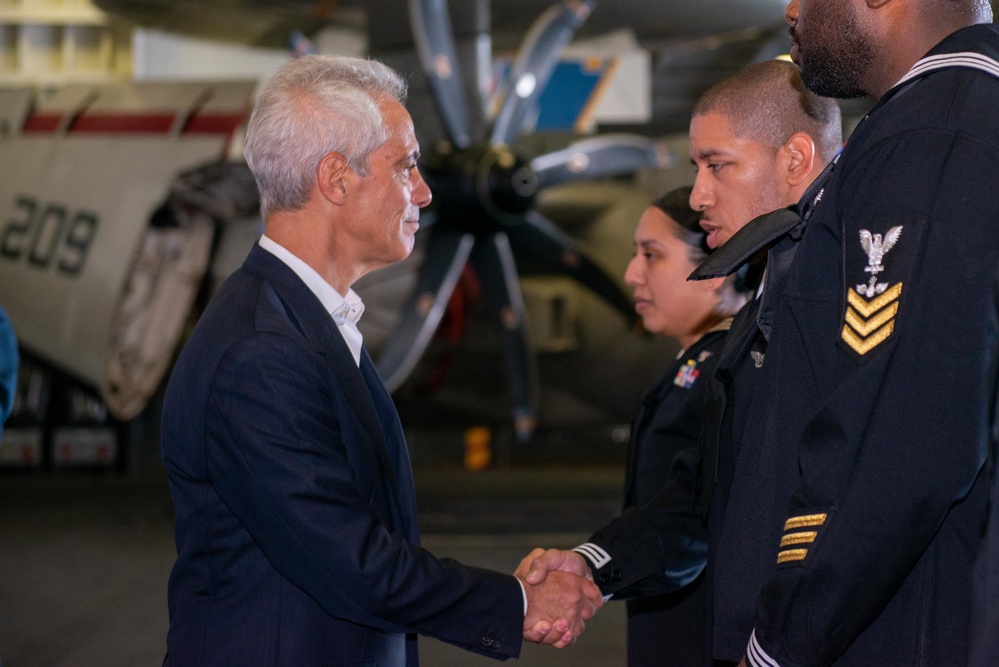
(791, 555)
(864, 345)
(792, 539)
(805, 521)
(866, 327)
(867, 308)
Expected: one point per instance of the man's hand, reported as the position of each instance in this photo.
(557, 608)
(533, 570)
(536, 566)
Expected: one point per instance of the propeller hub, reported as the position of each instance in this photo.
(482, 188)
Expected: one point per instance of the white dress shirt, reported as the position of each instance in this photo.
(345, 310)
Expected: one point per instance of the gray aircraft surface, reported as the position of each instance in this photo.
(123, 205)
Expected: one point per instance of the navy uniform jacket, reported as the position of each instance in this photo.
(732, 392)
(670, 418)
(295, 511)
(877, 438)
(985, 612)
(737, 393)
(667, 425)
(663, 545)
(653, 547)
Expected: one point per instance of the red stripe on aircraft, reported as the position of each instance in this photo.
(213, 123)
(42, 122)
(153, 123)
(106, 123)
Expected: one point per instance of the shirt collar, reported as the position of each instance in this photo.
(342, 308)
(350, 310)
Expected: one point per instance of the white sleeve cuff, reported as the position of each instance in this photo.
(756, 656)
(593, 553)
(523, 591)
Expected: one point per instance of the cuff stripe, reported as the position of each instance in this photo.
(593, 553)
(805, 521)
(756, 656)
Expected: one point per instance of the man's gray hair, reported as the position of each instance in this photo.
(310, 107)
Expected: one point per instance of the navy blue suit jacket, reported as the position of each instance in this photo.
(297, 541)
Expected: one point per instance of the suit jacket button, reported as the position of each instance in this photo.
(603, 579)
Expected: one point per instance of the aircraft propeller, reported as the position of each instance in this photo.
(485, 194)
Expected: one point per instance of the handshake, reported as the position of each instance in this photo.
(561, 596)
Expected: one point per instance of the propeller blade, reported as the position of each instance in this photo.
(541, 240)
(601, 157)
(536, 61)
(493, 262)
(445, 257)
(431, 24)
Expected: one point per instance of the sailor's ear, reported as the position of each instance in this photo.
(799, 152)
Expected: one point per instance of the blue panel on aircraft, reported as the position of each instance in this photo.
(570, 88)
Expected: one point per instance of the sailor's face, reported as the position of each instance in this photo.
(737, 178)
(830, 45)
(667, 302)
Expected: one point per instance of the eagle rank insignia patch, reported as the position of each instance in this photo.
(871, 306)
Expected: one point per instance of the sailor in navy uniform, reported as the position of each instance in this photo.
(860, 495)
(758, 139)
(985, 610)
(669, 244)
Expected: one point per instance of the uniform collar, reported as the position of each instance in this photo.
(722, 325)
(974, 47)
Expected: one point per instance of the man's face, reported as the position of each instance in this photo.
(386, 202)
(737, 179)
(830, 46)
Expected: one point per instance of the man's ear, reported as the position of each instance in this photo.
(800, 154)
(332, 175)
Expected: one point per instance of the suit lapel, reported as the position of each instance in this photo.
(307, 313)
(395, 443)
(357, 393)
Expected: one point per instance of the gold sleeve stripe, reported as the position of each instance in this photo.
(867, 308)
(865, 345)
(866, 327)
(804, 521)
(792, 539)
(791, 555)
